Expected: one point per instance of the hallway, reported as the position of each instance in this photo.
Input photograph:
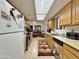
(32, 52)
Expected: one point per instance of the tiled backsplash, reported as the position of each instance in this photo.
(75, 28)
(68, 29)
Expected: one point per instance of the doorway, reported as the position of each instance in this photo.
(38, 27)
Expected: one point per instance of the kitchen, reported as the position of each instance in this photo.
(41, 33)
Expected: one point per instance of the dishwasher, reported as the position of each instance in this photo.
(58, 51)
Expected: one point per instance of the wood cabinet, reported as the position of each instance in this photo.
(68, 55)
(51, 23)
(77, 11)
(69, 15)
(50, 41)
(73, 12)
(65, 15)
(69, 52)
(65, 55)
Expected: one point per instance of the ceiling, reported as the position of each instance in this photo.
(27, 8)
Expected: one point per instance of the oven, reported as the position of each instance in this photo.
(58, 51)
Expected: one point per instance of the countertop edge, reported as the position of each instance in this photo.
(65, 40)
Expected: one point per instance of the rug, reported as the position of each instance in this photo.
(43, 49)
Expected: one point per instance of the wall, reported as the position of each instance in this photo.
(75, 28)
(43, 25)
(68, 29)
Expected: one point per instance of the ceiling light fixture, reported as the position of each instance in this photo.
(42, 7)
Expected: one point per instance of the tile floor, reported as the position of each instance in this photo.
(32, 52)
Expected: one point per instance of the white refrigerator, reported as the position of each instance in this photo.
(11, 35)
(11, 40)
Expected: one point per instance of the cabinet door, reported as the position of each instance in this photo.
(50, 24)
(73, 11)
(68, 55)
(65, 56)
(50, 42)
(62, 19)
(65, 15)
(77, 11)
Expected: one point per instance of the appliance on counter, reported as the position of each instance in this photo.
(58, 48)
(73, 35)
(49, 30)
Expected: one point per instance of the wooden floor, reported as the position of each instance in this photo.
(32, 52)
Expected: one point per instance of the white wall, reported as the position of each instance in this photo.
(68, 29)
(75, 28)
(42, 23)
(43, 26)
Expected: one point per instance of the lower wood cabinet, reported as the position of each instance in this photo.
(66, 51)
(69, 52)
(50, 42)
(68, 55)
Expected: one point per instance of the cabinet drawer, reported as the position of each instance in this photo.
(72, 50)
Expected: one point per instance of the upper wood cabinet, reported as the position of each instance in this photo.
(77, 11)
(51, 23)
(65, 15)
(73, 12)
(69, 15)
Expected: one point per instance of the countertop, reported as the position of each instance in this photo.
(70, 42)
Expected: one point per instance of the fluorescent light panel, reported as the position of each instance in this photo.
(42, 7)
(40, 17)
